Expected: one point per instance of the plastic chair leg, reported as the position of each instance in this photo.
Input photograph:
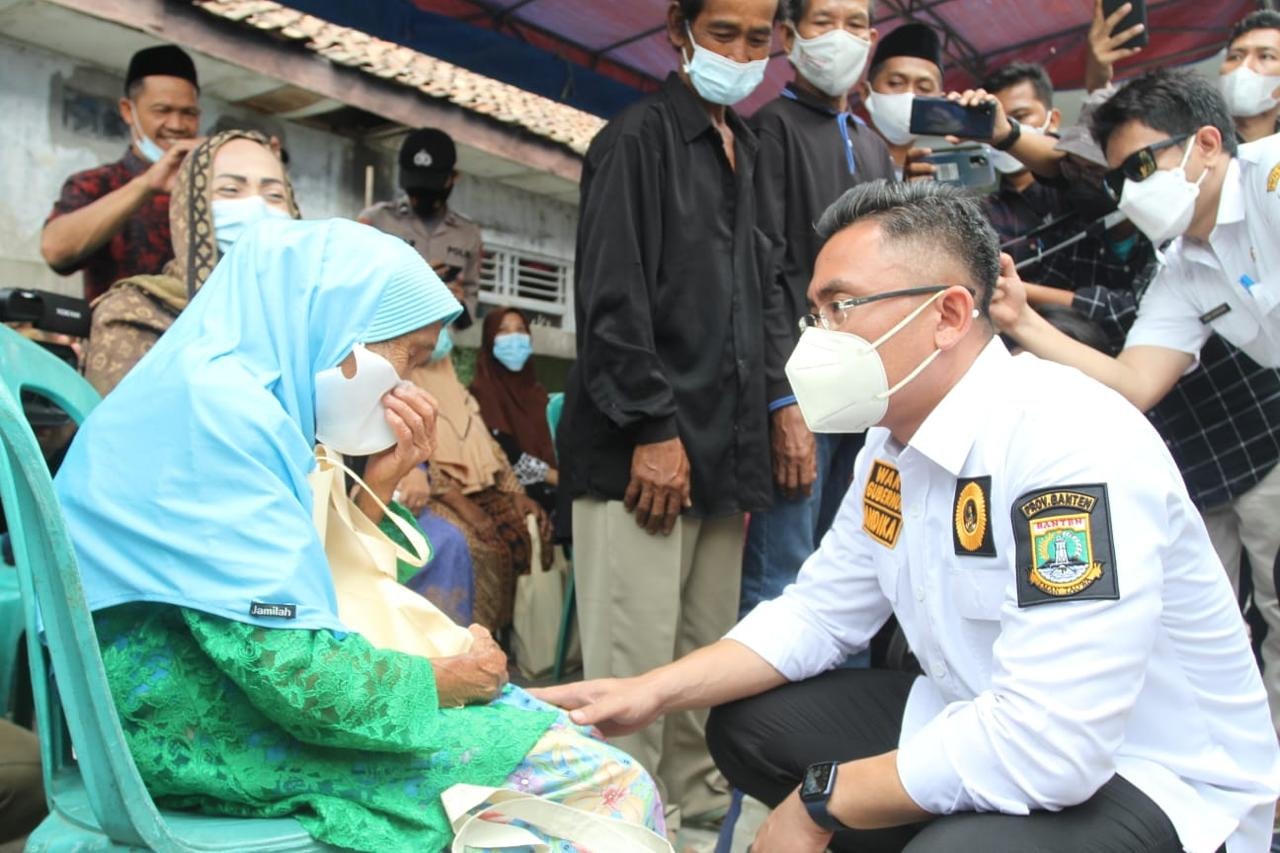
(566, 623)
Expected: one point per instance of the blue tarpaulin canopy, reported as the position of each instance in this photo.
(600, 55)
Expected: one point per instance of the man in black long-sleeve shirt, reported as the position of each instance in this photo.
(812, 149)
(664, 437)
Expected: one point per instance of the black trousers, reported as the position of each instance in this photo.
(763, 745)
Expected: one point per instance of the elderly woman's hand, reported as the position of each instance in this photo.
(411, 414)
(473, 678)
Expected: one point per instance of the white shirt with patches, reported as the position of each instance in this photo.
(1036, 707)
(1230, 285)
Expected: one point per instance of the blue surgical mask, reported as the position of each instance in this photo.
(232, 217)
(147, 147)
(513, 350)
(719, 79)
(444, 345)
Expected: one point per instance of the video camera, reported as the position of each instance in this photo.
(47, 312)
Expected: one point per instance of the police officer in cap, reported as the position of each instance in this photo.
(446, 239)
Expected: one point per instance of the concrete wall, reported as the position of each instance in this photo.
(60, 117)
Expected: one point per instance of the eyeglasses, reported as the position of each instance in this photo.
(1138, 166)
(832, 315)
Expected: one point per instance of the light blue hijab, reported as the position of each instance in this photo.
(188, 484)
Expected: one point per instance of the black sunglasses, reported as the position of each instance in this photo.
(1138, 166)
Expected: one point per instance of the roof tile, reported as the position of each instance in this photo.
(433, 77)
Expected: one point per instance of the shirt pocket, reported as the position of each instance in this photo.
(979, 587)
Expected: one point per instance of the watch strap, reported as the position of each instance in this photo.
(1010, 138)
(818, 814)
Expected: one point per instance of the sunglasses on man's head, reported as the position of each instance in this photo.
(1138, 166)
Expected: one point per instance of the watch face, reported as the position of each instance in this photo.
(816, 780)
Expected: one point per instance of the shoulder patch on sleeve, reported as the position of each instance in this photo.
(971, 518)
(1064, 546)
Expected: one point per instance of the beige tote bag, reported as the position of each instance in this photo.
(363, 561)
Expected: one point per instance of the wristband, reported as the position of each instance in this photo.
(1011, 138)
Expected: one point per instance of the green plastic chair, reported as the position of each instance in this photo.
(97, 800)
(555, 406)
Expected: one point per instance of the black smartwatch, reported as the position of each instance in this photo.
(1011, 138)
(815, 793)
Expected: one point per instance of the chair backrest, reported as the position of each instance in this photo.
(555, 405)
(50, 580)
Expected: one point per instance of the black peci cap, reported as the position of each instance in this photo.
(427, 158)
(913, 39)
(163, 61)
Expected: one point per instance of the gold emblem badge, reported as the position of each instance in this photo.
(882, 504)
(972, 517)
(1273, 179)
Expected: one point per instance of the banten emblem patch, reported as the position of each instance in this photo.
(972, 518)
(1063, 537)
(882, 504)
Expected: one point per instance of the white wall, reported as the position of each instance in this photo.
(57, 120)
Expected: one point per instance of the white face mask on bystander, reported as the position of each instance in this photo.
(892, 115)
(1163, 205)
(832, 62)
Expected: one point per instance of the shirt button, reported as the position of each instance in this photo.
(915, 512)
(940, 670)
(919, 593)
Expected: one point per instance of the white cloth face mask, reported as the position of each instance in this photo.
(1163, 205)
(892, 116)
(719, 79)
(1248, 93)
(350, 417)
(839, 379)
(832, 62)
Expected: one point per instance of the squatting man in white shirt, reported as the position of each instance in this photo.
(1089, 683)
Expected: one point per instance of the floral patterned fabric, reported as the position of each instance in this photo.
(228, 718)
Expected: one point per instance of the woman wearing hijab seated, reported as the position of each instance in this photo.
(514, 404)
(239, 690)
(227, 183)
(473, 487)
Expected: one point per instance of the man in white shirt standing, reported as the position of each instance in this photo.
(1088, 681)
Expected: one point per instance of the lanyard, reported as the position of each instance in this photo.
(842, 122)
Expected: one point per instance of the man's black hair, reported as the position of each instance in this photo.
(1022, 72)
(1175, 101)
(691, 9)
(1077, 326)
(926, 216)
(793, 10)
(1263, 19)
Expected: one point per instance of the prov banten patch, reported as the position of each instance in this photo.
(971, 518)
(882, 504)
(1065, 551)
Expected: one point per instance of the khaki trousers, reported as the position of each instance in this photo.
(643, 601)
(1251, 523)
